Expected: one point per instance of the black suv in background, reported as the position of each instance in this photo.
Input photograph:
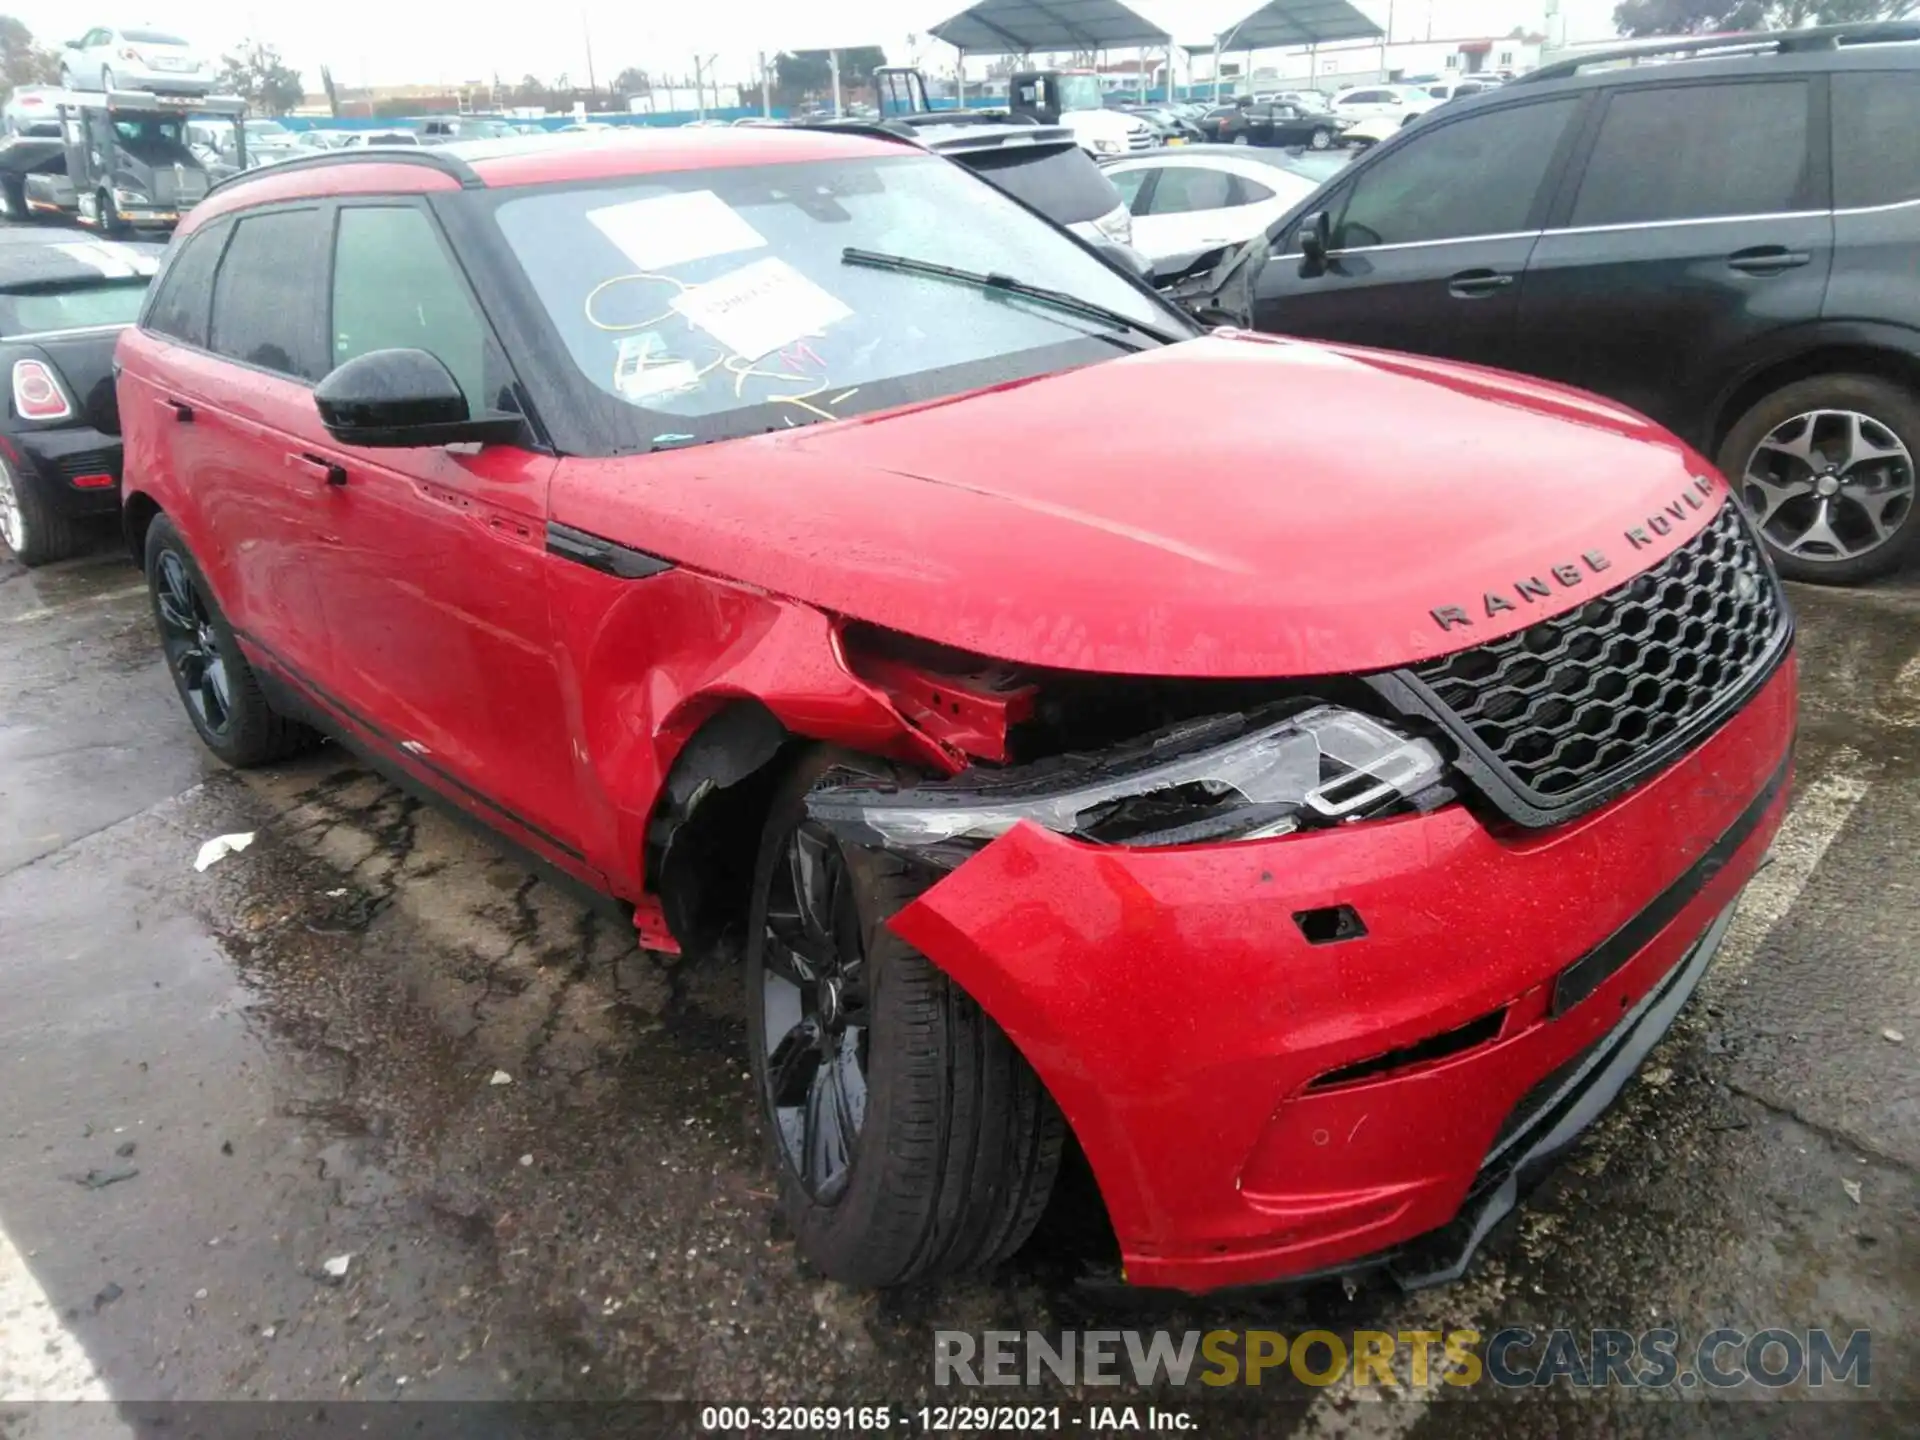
(1728, 242)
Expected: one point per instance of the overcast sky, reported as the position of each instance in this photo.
(387, 42)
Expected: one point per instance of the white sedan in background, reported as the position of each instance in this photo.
(1200, 197)
(106, 58)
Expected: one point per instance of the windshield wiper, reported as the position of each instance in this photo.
(1007, 284)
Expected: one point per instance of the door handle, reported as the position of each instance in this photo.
(1474, 284)
(178, 409)
(319, 467)
(1767, 259)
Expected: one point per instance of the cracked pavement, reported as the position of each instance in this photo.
(301, 1046)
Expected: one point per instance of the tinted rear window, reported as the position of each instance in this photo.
(1064, 185)
(1696, 151)
(266, 299)
(1875, 119)
(185, 297)
(151, 37)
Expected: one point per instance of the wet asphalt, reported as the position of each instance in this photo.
(212, 1085)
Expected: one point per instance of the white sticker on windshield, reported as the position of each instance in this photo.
(668, 230)
(642, 371)
(760, 308)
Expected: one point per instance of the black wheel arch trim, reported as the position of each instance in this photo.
(1793, 343)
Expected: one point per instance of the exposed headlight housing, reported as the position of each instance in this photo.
(1228, 777)
(1108, 147)
(130, 197)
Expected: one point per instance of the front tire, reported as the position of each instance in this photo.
(109, 214)
(217, 686)
(13, 198)
(106, 80)
(1826, 468)
(33, 530)
(1241, 140)
(1321, 140)
(912, 1139)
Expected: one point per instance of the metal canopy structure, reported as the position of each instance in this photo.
(1297, 22)
(1024, 27)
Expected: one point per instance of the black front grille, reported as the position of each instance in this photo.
(1565, 707)
(87, 462)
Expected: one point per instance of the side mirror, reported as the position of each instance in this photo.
(1316, 239)
(404, 398)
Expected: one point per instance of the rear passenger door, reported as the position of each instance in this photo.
(232, 392)
(1696, 224)
(1430, 239)
(1876, 198)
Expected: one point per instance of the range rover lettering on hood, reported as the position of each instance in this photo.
(1568, 573)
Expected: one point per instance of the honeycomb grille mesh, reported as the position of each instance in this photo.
(1565, 704)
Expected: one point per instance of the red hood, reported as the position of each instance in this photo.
(1228, 507)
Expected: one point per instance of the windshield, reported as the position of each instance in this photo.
(1080, 92)
(112, 303)
(705, 305)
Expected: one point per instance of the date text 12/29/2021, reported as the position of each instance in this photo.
(939, 1419)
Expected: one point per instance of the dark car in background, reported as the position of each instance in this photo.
(64, 299)
(1278, 123)
(1728, 241)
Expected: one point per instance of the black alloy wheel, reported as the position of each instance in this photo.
(222, 695)
(192, 646)
(911, 1137)
(814, 1011)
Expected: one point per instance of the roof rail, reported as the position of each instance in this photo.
(1709, 47)
(433, 157)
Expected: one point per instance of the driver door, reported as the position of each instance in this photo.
(432, 564)
(1430, 239)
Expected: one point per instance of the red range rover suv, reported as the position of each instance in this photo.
(1308, 779)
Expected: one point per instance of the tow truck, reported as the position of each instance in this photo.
(122, 160)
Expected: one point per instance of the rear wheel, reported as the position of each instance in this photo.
(1826, 467)
(217, 686)
(31, 528)
(912, 1138)
(13, 197)
(1241, 139)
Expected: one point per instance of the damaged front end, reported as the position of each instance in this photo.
(1216, 287)
(1221, 778)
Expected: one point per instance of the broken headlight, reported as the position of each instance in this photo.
(1229, 777)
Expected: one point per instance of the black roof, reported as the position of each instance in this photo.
(32, 258)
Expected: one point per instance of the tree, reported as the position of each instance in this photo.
(632, 81)
(22, 62)
(1712, 17)
(799, 74)
(258, 74)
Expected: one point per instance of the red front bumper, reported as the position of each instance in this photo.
(1180, 1017)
